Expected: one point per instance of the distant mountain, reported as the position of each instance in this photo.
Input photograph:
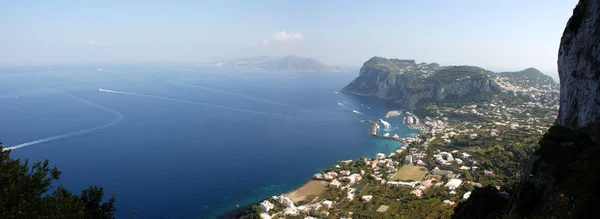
(414, 84)
(285, 64)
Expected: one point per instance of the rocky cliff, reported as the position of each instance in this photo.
(412, 84)
(579, 67)
(563, 180)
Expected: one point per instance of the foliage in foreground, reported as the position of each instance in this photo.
(25, 192)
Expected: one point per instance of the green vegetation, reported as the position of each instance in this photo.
(483, 203)
(569, 157)
(392, 66)
(410, 173)
(401, 204)
(452, 74)
(563, 183)
(526, 78)
(25, 192)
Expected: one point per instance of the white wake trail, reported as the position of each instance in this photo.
(386, 125)
(193, 102)
(357, 112)
(118, 119)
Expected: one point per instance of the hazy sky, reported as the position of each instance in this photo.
(498, 35)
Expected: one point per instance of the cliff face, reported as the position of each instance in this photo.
(563, 181)
(579, 67)
(411, 84)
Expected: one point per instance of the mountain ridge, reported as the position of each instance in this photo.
(413, 84)
(291, 63)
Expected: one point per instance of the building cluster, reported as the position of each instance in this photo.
(447, 165)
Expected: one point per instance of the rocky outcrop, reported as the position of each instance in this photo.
(412, 84)
(579, 68)
(563, 181)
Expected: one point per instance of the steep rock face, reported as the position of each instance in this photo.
(579, 67)
(563, 182)
(411, 84)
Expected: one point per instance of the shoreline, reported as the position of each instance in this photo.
(372, 132)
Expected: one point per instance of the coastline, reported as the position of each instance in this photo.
(373, 132)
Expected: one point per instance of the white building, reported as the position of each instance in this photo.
(453, 183)
(367, 198)
(417, 192)
(332, 174)
(350, 196)
(458, 161)
(266, 205)
(291, 211)
(335, 184)
(448, 202)
(402, 184)
(265, 216)
(466, 196)
(285, 201)
(380, 156)
(408, 159)
(327, 204)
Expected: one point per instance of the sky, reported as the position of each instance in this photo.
(497, 35)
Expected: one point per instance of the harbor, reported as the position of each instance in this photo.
(375, 128)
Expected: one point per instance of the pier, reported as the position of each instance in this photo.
(375, 128)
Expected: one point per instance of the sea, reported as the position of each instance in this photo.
(186, 141)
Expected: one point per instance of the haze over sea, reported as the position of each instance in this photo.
(184, 141)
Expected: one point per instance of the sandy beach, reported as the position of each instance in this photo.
(313, 187)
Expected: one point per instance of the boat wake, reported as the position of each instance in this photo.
(196, 103)
(386, 126)
(119, 118)
(358, 112)
(344, 103)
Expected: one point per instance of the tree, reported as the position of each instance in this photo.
(483, 203)
(25, 192)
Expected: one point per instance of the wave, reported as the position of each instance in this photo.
(197, 103)
(118, 119)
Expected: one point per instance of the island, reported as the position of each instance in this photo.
(477, 132)
(290, 63)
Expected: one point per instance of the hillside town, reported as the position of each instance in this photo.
(458, 149)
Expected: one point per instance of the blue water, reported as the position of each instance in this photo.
(185, 141)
